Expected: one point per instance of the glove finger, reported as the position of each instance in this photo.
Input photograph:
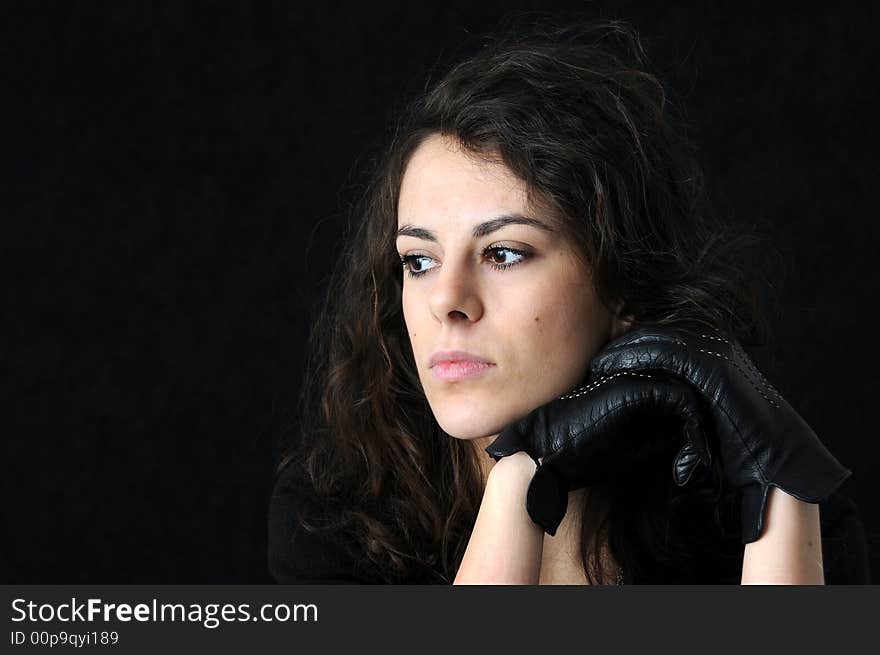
(686, 462)
(507, 443)
(754, 498)
(624, 420)
(695, 450)
(547, 499)
(694, 429)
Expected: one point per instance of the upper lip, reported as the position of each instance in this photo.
(455, 356)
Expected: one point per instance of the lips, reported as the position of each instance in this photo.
(455, 356)
(451, 365)
(451, 371)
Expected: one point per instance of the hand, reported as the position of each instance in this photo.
(600, 430)
(762, 441)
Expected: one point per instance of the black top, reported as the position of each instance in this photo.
(299, 557)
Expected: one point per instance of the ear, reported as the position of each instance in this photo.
(620, 324)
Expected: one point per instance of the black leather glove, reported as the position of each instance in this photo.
(600, 430)
(762, 441)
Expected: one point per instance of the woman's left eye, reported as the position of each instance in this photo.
(504, 264)
(496, 255)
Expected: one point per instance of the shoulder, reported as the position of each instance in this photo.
(298, 556)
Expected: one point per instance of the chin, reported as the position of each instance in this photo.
(466, 428)
(470, 436)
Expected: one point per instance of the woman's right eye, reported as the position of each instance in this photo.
(407, 261)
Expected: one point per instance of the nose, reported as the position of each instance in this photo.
(454, 295)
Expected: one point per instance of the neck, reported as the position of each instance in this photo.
(485, 460)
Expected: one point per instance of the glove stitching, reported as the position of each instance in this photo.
(752, 366)
(593, 385)
(744, 374)
(742, 355)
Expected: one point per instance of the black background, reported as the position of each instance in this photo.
(174, 182)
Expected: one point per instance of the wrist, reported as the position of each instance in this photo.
(518, 467)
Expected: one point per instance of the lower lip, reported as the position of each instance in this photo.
(459, 370)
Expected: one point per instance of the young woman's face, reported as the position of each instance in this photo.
(537, 323)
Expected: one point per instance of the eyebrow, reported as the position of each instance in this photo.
(480, 230)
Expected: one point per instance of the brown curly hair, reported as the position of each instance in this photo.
(574, 111)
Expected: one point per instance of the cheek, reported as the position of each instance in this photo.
(561, 329)
(406, 307)
(411, 320)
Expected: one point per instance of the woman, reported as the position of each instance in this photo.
(509, 358)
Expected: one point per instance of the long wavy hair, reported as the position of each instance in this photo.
(575, 111)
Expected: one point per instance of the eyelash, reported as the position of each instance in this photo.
(498, 267)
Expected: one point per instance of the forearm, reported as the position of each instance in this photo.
(789, 550)
(505, 546)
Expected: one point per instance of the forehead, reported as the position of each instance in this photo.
(442, 181)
